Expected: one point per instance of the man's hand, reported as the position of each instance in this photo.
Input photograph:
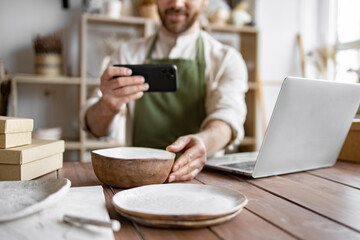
(191, 162)
(195, 148)
(119, 87)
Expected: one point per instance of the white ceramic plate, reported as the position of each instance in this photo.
(181, 223)
(22, 198)
(179, 201)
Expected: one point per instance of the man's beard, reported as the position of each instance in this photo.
(170, 25)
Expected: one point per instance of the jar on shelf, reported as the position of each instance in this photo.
(48, 58)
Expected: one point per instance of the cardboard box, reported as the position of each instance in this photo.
(16, 125)
(15, 132)
(31, 161)
(351, 148)
(36, 150)
(30, 170)
(8, 140)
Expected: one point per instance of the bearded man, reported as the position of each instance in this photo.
(207, 112)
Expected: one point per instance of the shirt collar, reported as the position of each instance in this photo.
(183, 40)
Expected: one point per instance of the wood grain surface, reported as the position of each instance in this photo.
(318, 204)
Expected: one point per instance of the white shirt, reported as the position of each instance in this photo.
(225, 76)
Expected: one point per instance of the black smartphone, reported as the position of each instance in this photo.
(160, 77)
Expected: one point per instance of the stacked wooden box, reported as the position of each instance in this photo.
(23, 158)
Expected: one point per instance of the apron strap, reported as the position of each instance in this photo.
(151, 50)
(200, 49)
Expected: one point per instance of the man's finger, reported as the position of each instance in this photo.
(187, 170)
(119, 92)
(179, 144)
(127, 81)
(112, 72)
(191, 175)
(190, 155)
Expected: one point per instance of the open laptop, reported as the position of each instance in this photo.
(307, 129)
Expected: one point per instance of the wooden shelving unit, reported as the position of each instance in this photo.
(145, 26)
(57, 80)
(248, 48)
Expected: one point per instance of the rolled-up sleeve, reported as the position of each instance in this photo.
(226, 90)
(94, 98)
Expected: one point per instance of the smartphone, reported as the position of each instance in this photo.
(160, 77)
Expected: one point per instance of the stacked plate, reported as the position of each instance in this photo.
(19, 199)
(179, 205)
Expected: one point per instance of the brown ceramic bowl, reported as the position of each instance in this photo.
(127, 167)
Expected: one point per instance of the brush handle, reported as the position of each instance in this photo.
(114, 224)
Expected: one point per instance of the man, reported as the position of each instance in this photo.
(203, 116)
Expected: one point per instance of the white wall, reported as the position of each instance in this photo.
(20, 22)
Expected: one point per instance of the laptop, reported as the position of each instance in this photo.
(307, 129)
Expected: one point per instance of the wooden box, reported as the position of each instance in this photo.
(15, 132)
(32, 160)
(351, 148)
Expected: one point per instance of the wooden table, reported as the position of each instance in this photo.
(318, 204)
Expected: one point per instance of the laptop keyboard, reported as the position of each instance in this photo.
(236, 162)
(247, 166)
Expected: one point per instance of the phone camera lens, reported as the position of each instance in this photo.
(171, 71)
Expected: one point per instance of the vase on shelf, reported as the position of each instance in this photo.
(48, 57)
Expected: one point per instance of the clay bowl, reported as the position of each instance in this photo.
(127, 167)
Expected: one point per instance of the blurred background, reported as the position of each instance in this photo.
(309, 38)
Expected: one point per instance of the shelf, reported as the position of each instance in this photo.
(72, 145)
(29, 78)
(102, 19)
(229, 28)
(93, 81)
(39, 79)
(91, 144)
(94, 144)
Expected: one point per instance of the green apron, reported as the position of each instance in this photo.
(161, 117)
